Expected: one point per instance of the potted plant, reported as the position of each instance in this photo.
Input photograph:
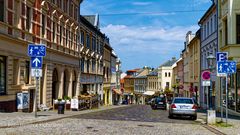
(68, 102)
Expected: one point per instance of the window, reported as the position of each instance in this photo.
(94, 44)
(88, 66)
(169, 74)
(66, 37)
(211, 26)
(82, 37)
(2, 10)
(82, 65)
(53, 33)
(88, 41)
(2, 75)
(43, 24)
(28, 21)
(27, 72)
(15, 71)
(167, 84)
(225, 31)
(60, 34)
(165, 74)
(215, 22)
(93, 66)
(238, 29)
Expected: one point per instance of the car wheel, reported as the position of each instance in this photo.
(170, 116)
(194, 117)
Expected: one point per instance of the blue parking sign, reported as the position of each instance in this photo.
(36, 50)
(222, 56)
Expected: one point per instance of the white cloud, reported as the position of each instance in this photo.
(141, 3)
(149, 39)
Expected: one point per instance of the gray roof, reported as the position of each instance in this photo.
(169, 63)
(153, 73)
(93, 19)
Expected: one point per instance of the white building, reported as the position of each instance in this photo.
(165, 72)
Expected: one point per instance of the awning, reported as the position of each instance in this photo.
(150, 93)
(117, 91)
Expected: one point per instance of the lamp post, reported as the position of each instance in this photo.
(211, 65)
(211, 116)
(177, 81)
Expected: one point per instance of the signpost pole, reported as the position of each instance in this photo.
(221, 99)
(226, 102)
(37, 89)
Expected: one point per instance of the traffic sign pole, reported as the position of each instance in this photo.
(36, 93)
(226, 102)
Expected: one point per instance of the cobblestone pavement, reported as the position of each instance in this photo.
(130, 120)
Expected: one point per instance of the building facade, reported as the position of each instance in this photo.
(194, 66)
(107, 92)
(91, 59)
(140, 86)
(209, 46)
(53, 23)
(74, 59)
(165, 75)
(229, 41)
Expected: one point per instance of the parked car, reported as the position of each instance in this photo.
(183, 106)
(150, 101)
(159, 103)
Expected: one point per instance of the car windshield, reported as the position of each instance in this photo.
(159, 99)
(183, 101)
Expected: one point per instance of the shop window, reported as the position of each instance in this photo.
(2, 75)
(2, 10)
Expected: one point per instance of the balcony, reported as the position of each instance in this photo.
(233, 51)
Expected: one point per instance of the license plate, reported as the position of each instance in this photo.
(160, 103)
(183, 107)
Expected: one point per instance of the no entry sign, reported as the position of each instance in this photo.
(206, 75)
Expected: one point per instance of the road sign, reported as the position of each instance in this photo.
(228, 67)
(36, 50)
(206, 83)
(36, 62)
(206, 75)
(222, 56)
(36, 72)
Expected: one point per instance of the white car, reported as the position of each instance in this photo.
(183, 106)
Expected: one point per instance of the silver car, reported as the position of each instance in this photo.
(183, 106)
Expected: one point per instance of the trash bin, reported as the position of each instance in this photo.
(61, 107)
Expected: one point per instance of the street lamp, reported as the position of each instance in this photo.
(211, 64)
(177, 81)
(211, 114)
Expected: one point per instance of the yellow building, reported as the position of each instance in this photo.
(191, 60)
(229, 41)
(107, 92)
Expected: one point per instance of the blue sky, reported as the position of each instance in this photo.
(146, 32)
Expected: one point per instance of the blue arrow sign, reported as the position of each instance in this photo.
(228, 67)
(36, 50)
(36, 62)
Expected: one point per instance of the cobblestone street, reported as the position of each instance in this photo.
(136, 119)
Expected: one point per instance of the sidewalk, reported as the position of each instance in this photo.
(233, 120)
(20, 118)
